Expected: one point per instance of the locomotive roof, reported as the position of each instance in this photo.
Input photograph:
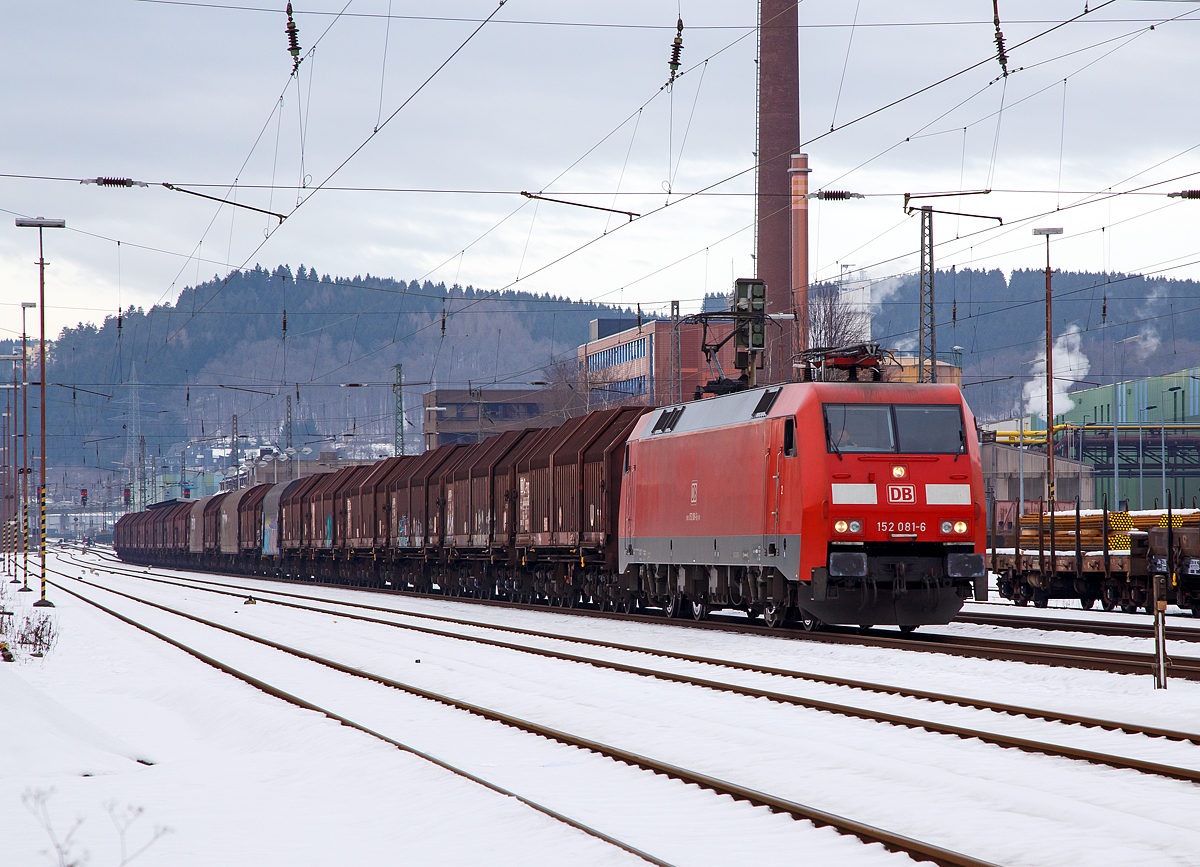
(789, 397)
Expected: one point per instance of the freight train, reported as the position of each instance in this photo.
(848, 503)
(1121, 559)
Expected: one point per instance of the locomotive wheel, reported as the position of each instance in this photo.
(774, 614)
(700, 609)
(671, 606)
(1086, 602)
(810, 622)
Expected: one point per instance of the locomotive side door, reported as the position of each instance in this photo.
(779, 445)
(629, 493)
(770, 521)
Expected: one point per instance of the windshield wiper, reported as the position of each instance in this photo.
(829, 438)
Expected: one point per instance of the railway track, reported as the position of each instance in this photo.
(916, 849)
(1058, 624)
(1008, 741)
(1115, 661)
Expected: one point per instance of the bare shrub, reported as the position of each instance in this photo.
(36, 632)
(37, 802)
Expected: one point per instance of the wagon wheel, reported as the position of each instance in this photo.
(700, 608)
(1129, 609)
(1086, 602)
(908, 628)
(1107, 604)
(809, 622)
(1196, 611)
(1041, 600)
(774, 614)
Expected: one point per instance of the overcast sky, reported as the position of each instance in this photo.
(546, 97)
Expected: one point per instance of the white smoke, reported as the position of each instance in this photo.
(882, 290)
(1069, 364)
(1147, 341)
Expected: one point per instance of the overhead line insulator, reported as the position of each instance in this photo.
(114, 182)
(1184, 194)
(834, 195)
(676, 51)
(293, 35)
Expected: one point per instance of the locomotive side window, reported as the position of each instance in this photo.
(789, 438)
(860, 427)
(936, 430)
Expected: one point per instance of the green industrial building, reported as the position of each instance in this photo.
(1153, 427)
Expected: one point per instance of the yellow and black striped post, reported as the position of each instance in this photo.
(43, 602)
(24, 547)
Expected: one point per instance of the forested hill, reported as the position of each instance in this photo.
(1128, 326)
(192, 357)
(220, 349)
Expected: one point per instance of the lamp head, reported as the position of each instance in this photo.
(1047, 231)
(40, 223)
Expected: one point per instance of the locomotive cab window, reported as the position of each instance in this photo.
(859, 427)
(900, 428)
(789, 438)
(934, 430)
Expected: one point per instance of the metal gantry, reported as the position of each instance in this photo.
(927, 339)
(398, 416)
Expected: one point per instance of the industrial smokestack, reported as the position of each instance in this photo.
(799, 283)
(778, 139)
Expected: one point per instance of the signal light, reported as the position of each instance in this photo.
(83, 497)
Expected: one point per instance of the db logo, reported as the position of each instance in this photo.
(901, 494)
(695, 490)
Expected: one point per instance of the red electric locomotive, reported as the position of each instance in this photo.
(836, 502)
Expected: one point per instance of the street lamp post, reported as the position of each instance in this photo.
(1162, 413)
(1141, 457)
(14, 477)
(41, 223)
(25, 468)
(1049, 373)
(1079, 457)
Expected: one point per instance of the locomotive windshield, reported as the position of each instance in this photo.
(902, 428)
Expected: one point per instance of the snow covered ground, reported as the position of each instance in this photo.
(243, 778)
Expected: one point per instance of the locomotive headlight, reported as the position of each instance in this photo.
(856, 526)
(960, 527)
(840, 526)
(899, 472)
(947, 527)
